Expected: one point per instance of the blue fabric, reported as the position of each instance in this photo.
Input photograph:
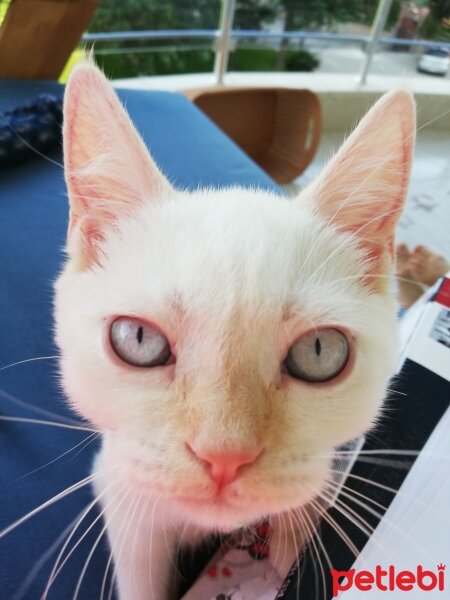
(30, 129)
(401, 311)
(33, 217)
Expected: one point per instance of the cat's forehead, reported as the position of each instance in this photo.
(216, 250)
(234, 233)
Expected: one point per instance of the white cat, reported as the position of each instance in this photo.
(224, 342)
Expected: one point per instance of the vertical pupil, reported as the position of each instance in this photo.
(318, 347)
(140, 334)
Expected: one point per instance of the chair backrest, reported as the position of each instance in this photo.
(38, 38)
(278, 128)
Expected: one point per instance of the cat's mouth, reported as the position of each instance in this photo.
(221, 497)
(216, 511)
(217, 501)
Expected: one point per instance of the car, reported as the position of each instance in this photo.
(435, 61)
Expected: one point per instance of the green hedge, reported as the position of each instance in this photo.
(301, 60)
(200, 61)
(156, 63)
(252, 59)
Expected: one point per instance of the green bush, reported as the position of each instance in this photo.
(134, 64)
(156, 63)
(432, 29)
(301, 60)
(252, 59)
(265, 59)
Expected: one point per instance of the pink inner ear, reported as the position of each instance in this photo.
(109, 171)
(363, 188)
(92, 236)
(377, 231)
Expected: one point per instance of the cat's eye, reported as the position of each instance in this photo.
(318, 356)
(138, 343)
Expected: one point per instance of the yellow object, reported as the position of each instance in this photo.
(77, 56)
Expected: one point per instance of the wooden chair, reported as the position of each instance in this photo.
(278, 128)
(38, 37)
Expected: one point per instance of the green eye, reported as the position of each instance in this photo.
(318, 355)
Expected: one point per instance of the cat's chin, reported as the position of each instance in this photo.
(226, 515)
(218, 514)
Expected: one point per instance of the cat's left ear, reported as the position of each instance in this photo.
(108, 169)
(363, 188)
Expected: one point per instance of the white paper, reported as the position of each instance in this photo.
(416, 528)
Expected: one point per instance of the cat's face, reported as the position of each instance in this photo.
(226, 323)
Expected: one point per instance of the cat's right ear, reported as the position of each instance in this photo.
(363, 188)
(108, 169)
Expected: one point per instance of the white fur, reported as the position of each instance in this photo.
(234, 277)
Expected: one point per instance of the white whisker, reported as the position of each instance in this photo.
(89, 437)
(329, 519)
(40, 563)
(48, 423)
(35, 150)
(94, 546)
(73, 488)
(28, 360)
(33, 408)
(297, 549)
(58, 566)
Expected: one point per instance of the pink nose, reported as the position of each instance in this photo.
(223, 466)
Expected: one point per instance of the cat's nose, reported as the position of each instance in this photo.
(223, 467)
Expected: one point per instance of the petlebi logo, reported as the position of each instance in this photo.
(389, 579)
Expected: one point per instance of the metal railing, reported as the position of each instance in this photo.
(236, 34)
(225, 36)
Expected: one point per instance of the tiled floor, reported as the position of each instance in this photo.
(426, 217)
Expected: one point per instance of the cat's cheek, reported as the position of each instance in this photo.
(82, 402)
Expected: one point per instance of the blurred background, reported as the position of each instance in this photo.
(160, 37)
(347, 52)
